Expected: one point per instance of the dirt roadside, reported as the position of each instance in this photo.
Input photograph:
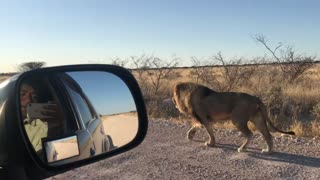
(122, 128)
(166, 154)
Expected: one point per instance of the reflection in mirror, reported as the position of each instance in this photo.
(96, 106)
(61, 149)
(113, 102)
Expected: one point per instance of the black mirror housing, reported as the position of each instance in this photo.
(17, 153)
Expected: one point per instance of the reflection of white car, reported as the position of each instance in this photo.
(51, 152)
(92, 139)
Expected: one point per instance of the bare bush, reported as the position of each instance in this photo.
(229, 75)
(119, 62)
(263, 79)
(266, 75)
(316, 112)
(160, 71)
(233, 73)
(202, 71)
(274, 98)
(140, 64)
(292, 64)
(153, 75)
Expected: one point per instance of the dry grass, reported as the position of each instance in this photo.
(298, 128)
(307, 130)
(315, 128)
(291, 108)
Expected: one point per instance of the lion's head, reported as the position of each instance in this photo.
(181, 96)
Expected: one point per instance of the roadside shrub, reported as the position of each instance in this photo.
(307, 129)
(281, 109)
(273, 99)
(298, 128)
(315, 128)
(316, 112)
(161, 107)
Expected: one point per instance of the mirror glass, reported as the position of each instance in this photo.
(61, 149)
(97, 107)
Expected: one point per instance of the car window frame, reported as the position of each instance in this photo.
(68, 104)
(89, 105)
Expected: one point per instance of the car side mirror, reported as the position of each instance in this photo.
(61, 149)
(70, 116)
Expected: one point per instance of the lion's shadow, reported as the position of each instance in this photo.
(288, 158)
(275, 156)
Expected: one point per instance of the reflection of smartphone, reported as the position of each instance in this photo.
(34, 110)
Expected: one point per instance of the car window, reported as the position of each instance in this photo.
(81, 106)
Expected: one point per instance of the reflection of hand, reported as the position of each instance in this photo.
(53, 114)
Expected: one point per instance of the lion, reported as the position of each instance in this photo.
(206, 106)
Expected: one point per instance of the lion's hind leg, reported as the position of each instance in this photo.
(261, 125)
(247, 134)
(241, 122)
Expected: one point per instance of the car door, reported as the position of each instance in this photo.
(90, 136)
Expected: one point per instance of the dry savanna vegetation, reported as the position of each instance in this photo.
(293, 103)
(290, 90)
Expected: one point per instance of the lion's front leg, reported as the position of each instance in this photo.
(211, 140)
(192, 131)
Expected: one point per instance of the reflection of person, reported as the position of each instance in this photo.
(38, 128)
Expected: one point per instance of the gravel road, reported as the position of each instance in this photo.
(167, 154)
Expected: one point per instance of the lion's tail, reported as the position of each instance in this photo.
(263, 110)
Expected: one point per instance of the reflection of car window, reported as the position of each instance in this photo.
(82, 107)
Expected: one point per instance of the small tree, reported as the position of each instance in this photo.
(233, 73)
(292, 65)
(266, 75)
(152, 74)
(160, 71)
(30, 66)
(202, 71)
(140, 64)
(119, 62)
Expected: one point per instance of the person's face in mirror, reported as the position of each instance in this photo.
(27, 95)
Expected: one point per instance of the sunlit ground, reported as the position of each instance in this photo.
(121, 127)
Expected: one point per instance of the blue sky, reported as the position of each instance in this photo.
(106, 91)
(74, 32)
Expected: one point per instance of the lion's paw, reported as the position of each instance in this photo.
(240, 150)
(189, 137)
(209, 144)
(266, 151)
